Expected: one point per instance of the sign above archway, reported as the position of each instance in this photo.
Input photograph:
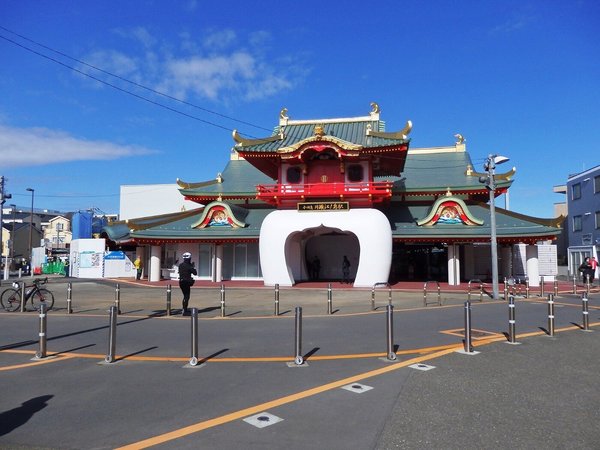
(449, 210)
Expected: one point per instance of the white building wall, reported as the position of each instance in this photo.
(151, 199)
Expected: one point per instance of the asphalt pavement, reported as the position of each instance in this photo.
(541, 392)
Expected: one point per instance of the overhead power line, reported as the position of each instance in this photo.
(127, 81)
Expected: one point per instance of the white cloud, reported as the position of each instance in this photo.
(220, 39)
(39, 146)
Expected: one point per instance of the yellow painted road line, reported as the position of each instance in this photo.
(278, 402)
(36, 363)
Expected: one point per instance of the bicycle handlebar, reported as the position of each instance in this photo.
(40, 281)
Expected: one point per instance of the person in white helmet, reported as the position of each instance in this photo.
(186, 270)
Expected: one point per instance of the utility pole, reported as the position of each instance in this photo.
(3, 198)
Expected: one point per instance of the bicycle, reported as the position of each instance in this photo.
(11, 298)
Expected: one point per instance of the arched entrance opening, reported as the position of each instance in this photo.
(318, 254)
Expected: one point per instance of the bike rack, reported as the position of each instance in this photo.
(439, 293)
(477, 280)
(375, 286)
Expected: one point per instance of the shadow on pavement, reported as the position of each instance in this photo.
(14, 418)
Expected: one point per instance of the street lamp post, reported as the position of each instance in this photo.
(31, 230)
(12, 234)
(490, 184)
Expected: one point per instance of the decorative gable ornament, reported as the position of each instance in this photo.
(449, 210)
(218, 214)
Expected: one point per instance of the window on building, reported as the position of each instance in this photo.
(294, 175)
(596, 184)
(597, 220)
(355, 173)
(576, 223)
(576, 191)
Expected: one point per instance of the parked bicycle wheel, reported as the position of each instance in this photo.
(11, 299)
(42, 296)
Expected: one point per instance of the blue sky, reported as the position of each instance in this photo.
(517, 78)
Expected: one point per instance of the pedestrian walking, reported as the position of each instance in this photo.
(138, 268)
(186, 280)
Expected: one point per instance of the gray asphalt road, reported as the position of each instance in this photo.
(541, 393)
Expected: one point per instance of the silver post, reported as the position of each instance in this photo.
(69, 298)
(168, 299)
(389, 295)
(329, 299)
(551, 314)
(118, 298)
(555, 287)
(41, 353)
(505, 288)
(194, 355)
(587, 285)
(439, 291)
(542, 286)
(425, 294)
(298, 359)
(574, 284)
(480, 292)
(112, 336)
(586, 313)
(527, 288)
(373, 298)
(467, 343)
(222, 300)
(389, 326)
(511, 320)
(277, 299)
(22, 296)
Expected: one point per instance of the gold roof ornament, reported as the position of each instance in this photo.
(402, 134)
(283, 113)
(460, 139)
(375, 108)
(448, 192)
(319, 130)
(219, 178)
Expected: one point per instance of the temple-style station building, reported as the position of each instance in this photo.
(294, 206)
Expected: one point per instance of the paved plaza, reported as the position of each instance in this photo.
(247, 393)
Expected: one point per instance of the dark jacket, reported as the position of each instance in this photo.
(186, 270)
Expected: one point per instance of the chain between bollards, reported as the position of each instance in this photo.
(586, 313)
(118, 298)
(112, 335)
(69, 298)
(550, 314)
(41, 353)
(389, 327)
(276, 313)
(168, 299)
(468, 342)
(222, 300)
(329, 299)
(194, 355)
(511, 320)
(298, 358)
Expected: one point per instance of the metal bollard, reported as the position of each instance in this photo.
(527, 288)
(194, 355)
(168, 299)
(276, 299)
(468, 342)
(112, 336)
(373, 298)
(550, 314)
(574, 284)
(22, 296)
(586, 313)
(222, 300)
(118, 298)
(41, 353)
(555, 284)
(511, 320)
(69, 298)
(587, 285)
(505, 288)
(329, 299)
(298, 359)
(542, 286)
(390, 295)
(391, 354)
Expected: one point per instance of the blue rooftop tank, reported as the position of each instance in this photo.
(82, 225)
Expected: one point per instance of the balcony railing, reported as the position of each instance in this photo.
(376, 191)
